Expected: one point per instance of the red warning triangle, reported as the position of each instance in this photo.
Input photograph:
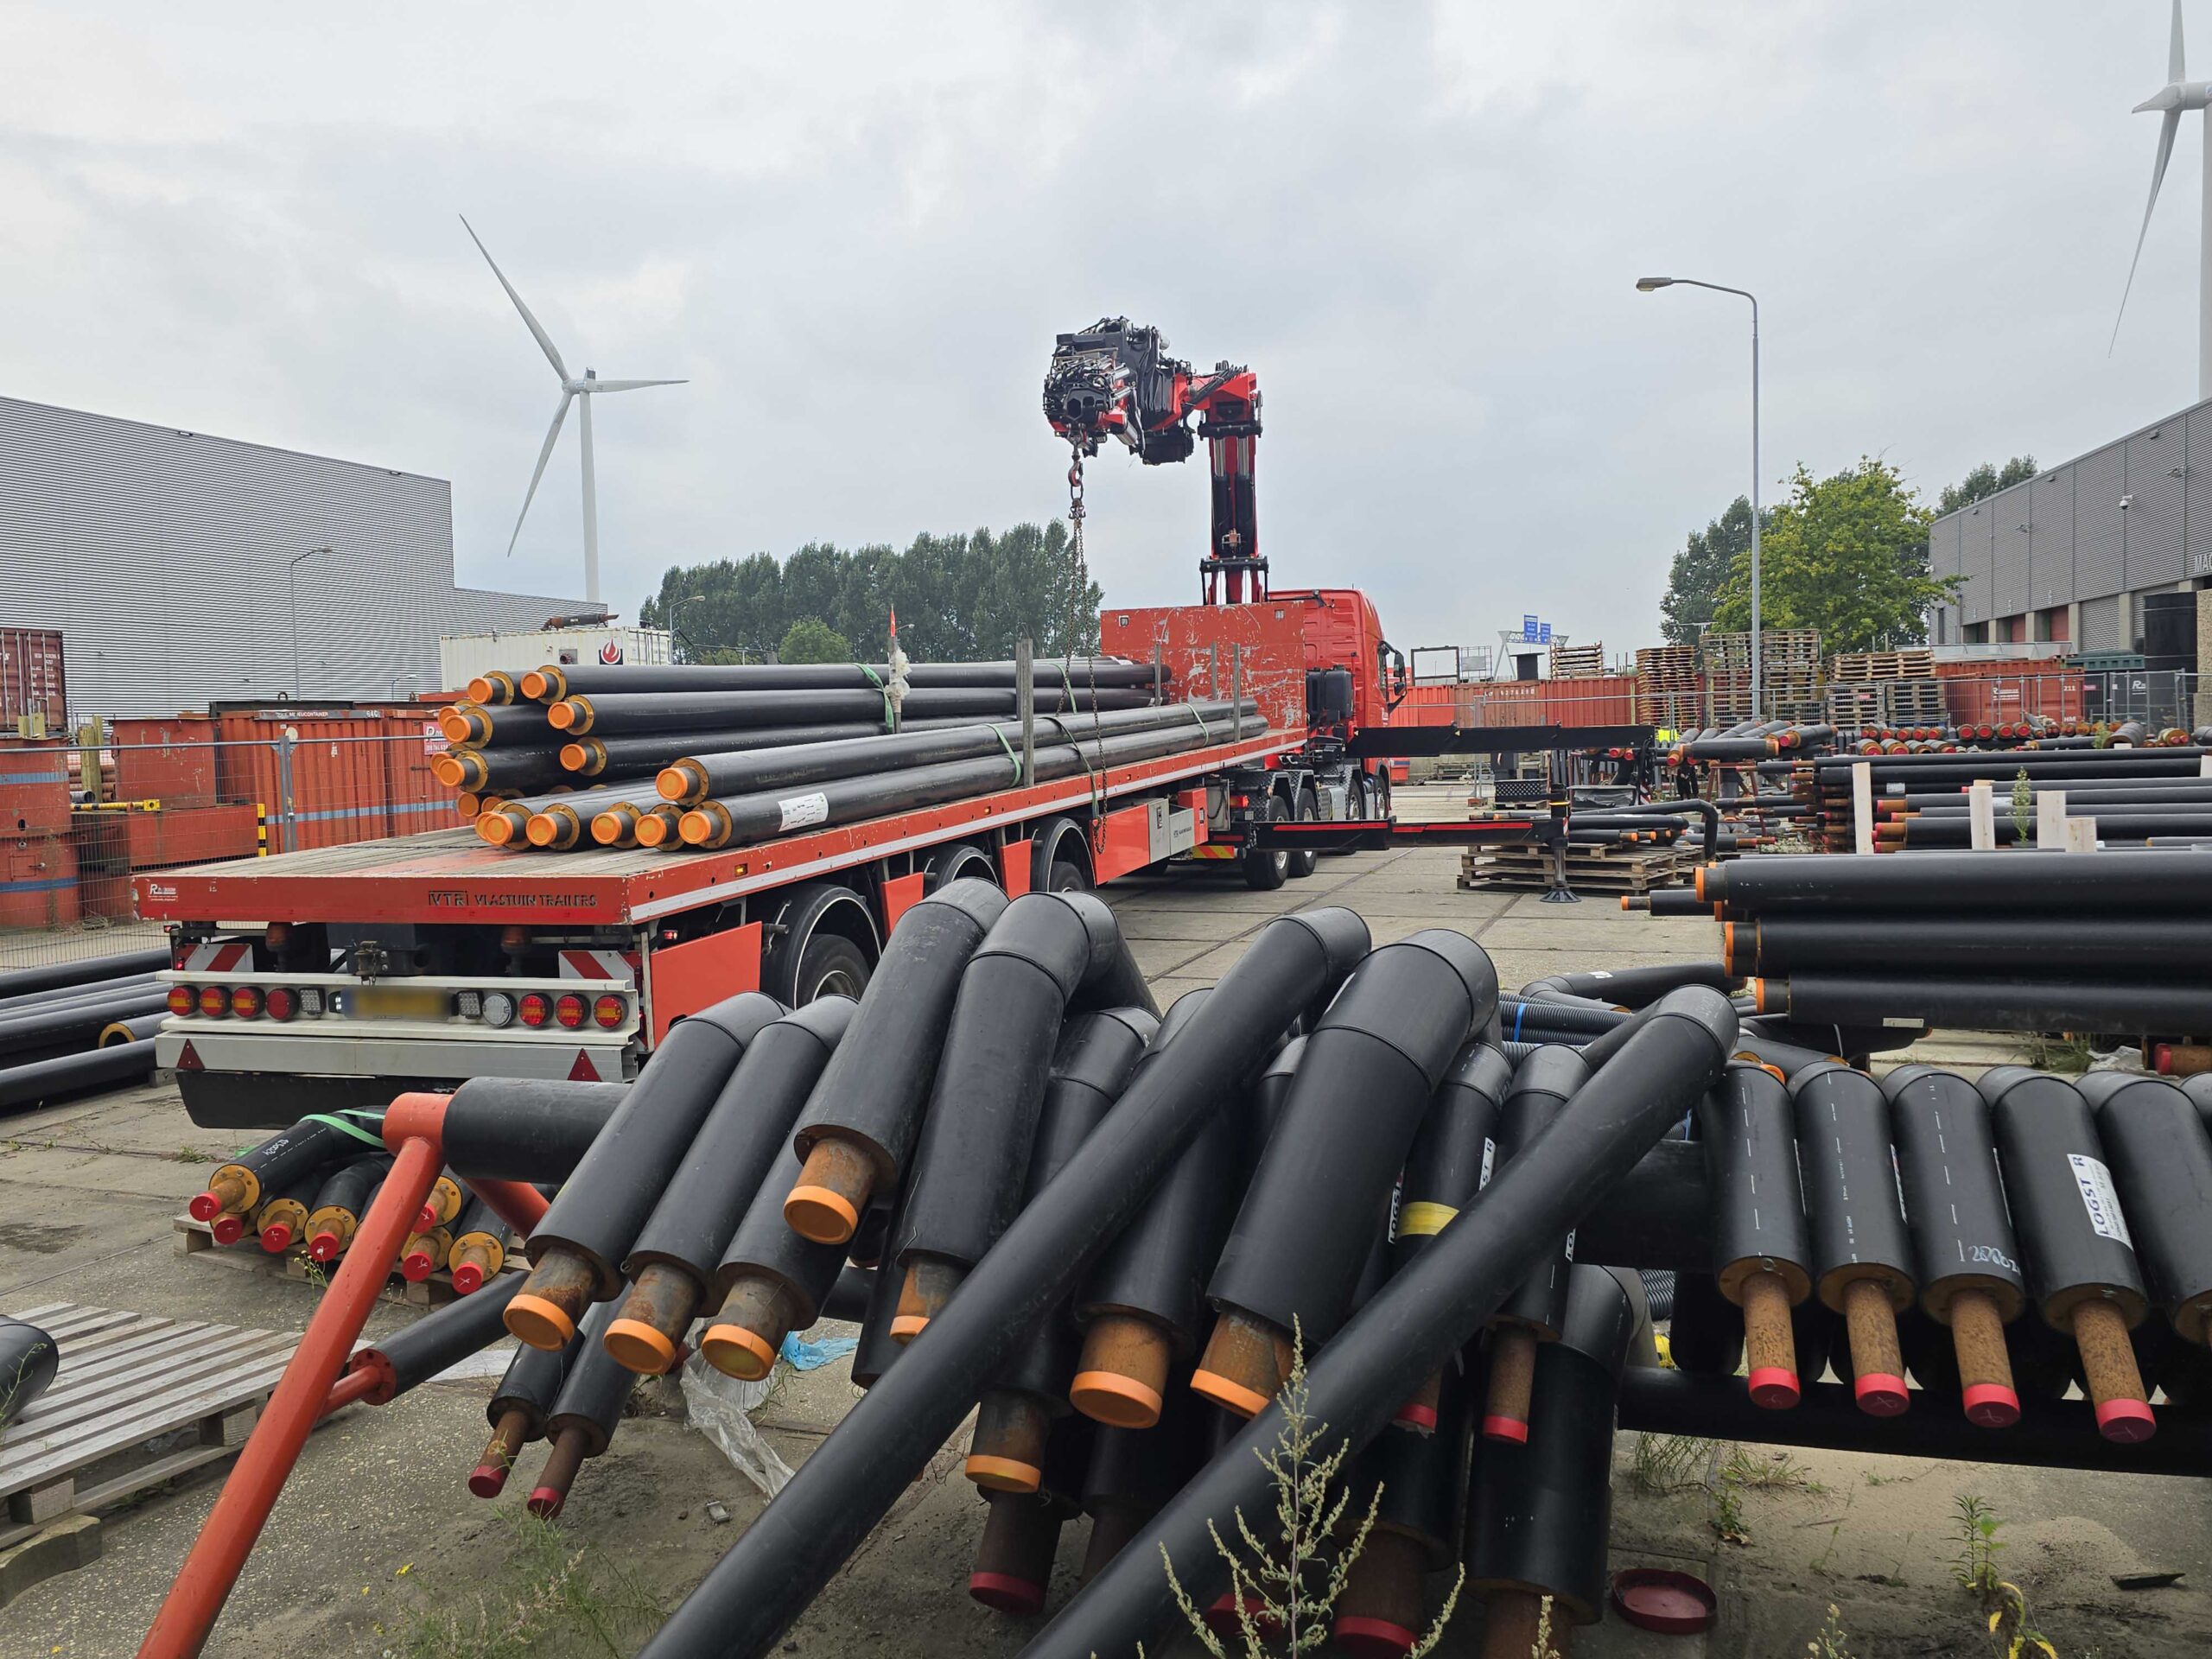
(584, 1070)
(188, 1058)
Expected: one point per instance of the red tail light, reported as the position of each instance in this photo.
(610, 1011)
(245, 1002)
(282, 1004)
(569, 1010)
(182, 999)
(535, 1008)
(214, 1002)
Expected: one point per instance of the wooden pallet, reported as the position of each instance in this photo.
(139, 1399)
(1589, 869)
(1578, 662)
(195, 1240)
(1917, 664)
(1888, 703)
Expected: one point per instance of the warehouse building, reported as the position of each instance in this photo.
(169, 560)
(2074, 560)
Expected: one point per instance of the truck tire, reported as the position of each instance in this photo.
(1267, 868)
(959, 861)
(819, 948)
(830, 965)
(1059, 847)
(1301, 863)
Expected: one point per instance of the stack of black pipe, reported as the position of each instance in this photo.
(73, 1025)
(2107, 941)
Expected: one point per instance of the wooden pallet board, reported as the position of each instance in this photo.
(139, 1399)
(1915, 663)
(195, 1240)
(1605, 869)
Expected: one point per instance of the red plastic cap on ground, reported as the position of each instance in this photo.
(2127, 1421)
(1992, 1405)
(1774, 1388)
(1006, 1593)
(1880, 1395)
(1505, 1429)
(488, 1480)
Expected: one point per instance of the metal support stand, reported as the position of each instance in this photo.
(1559, 892)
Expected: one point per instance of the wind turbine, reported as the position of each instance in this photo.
(2180, 93)
(572, 391)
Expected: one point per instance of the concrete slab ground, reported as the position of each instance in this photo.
(376, 1548)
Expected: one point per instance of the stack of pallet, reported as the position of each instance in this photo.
(1790, 665)
(1616, 867)
(1668, 689)
(1578, 662)
(1885, 688)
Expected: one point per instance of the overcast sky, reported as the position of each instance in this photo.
(857, 229)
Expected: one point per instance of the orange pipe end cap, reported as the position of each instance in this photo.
(542, 830)
(736, 1352)
(671, 784)
(539, 1323)
(1227, 1394)
(694, 828)
(561, 717)
(1505, 1429)
(1118, 1401)
(636, 1346)
(1880, 1395)
(497, 828)
(1774, 1388)
(1004, 1474)
(906, 1326)
(1992, 1405)
(532, 686)
(2127, 1423)
(819, 1215)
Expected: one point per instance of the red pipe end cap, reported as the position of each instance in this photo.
(276, 1238)
(1505, 1429)
(323, 1247)
(1880, 1395)
(1417, 1415)
(414, 1267)
(204, 1206)
(1992, 1405)
(1005, 1593)
(1372, 1638)
(425, 1218)
(1774, 1388)
(545, 1503)
(468, 1277)
(228, 1229)
(488, 1480)
(2128, 1422)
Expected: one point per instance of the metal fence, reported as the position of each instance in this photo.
(79, 823)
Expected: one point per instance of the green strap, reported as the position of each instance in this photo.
(1205, 730)
(890, 712)
(1008, 747)
(338, 1122)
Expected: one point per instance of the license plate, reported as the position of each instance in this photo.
(397, 1002)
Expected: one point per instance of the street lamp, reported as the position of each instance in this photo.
(292, 581)
(675, 607)
(1651, 284)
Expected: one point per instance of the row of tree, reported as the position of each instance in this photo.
(1846, 554)
(961, 598)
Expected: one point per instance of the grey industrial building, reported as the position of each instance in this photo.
(2063, 563)
(162, 557)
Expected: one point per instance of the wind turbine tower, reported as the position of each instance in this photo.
(2179, 94)
(576, 390)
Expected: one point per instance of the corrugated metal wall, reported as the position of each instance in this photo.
(161, 557)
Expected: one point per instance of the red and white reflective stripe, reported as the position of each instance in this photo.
(216, 956)
(599, 965)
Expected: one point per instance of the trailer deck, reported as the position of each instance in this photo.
(448, 875)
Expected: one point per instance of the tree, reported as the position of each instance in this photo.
(810, 640)
(1700, 569)
(1845, 555)
(1983, 482)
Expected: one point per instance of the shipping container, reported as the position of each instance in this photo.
(461, 656)
(172, 761)
(34, 694)
(38, 881)
(34, 787)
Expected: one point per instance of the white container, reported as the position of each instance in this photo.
(462, 656)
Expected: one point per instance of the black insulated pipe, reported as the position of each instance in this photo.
(1414, 1323)
(628, 713)
(239, 1188)
(1541, 1085)
(584, 1415)
(1634, 987)
(576, 1251)
(746, 1132)
(750, 1596)
(1295, 1252)
(2076, 1246)
(2163, 1164)
(2016, 1004)
(770, 1280)
(524, 1130)
(444, 1336)
(28, 1359)
(963, 1183)
(553, 682)
(1997, 944)
(1862, 1253)
(858, 1127)
(1412, 1479)
(1762, 1247)
(517, 1410)
(87, 971)
(69, 1074)
(1967, 1259)
(2071, 883)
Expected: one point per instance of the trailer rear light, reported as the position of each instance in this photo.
(499, 1009)
(311, 1001)
(1240, 800)
(245, 1002)
(610, 1011)
(569, 1010)
(281, 1004)
(214, 1002)
(182, 999)
(469, 1005)
(535, 1008)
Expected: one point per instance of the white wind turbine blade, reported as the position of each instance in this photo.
(2175, 72)
(627, 385)
(2168, 124)
(552, 435)
(544, 340)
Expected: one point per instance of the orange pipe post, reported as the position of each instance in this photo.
(188, 1615)
(519, 1204)
(349, 1390)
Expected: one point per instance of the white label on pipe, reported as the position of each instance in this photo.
(1490, 1156)
(799, 810)
(2099, 1198)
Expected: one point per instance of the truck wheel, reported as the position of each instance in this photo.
(825, 942)
(1067, 877)
(962, 859)
(1266, 868)
(831, 965)
(1301, 862)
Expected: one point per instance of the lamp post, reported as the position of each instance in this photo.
(675, 609)
(1650, 284)
(292, 581)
